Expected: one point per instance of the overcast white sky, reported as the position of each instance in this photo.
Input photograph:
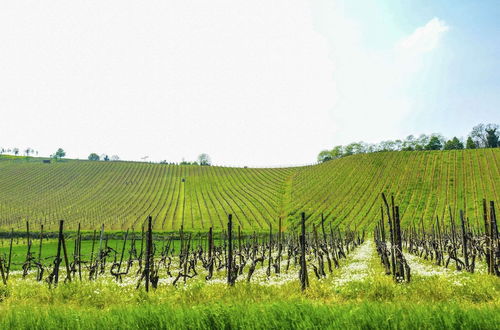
(248, 82)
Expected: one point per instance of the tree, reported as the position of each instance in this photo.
(453, 144)
(15, 151)
(349, 149)
(354, 148)
(398, 145)
(185, 162)
(470, 144)
(387, 145)
(422, 141)
(478, 135)
(491, 136)
(204, 160)
(370, 147)
(324, 156)
(485, 136)
(337, 152)
(60, 153)
(93, 156)
(106, 158)
(360, 147)
(409, 143)
(27, 151)
(115, 158)
(435, 143)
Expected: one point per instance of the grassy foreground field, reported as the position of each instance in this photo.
(358, 295)
(347, 191)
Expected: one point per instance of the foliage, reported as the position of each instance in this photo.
(482, 136)
(453, 144)
(184, 162)
(60, 153)
(470, 143)
(204, 160)
(492, 136)
(324, 155)
(28, 151)
(435, 143)
(485, 136)
(93, 156)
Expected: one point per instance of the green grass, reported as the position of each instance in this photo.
(49, 249)
(347, 191)
(277, 315)
(373, 303)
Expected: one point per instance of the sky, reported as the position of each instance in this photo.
(251, 83)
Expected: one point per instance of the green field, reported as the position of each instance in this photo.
(358, 295)
(347, 191)
(49, 248)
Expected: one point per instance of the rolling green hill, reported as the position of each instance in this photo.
(347, 191)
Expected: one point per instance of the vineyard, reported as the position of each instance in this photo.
(121, 194)
(394, 240)
(449, 274)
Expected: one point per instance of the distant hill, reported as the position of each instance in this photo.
(347, 191)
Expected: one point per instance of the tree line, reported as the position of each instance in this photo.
(104, 157)
(481, 136)
(60, 153)
(15, 151)
(203, 159)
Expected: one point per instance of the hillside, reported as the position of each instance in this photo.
(347, 191)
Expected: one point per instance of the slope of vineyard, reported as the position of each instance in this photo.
(425, 185)
(347, 191)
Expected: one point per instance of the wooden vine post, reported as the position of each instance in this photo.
(400, 268)
(149, 248)
(210, 252)
(303, 266)
(39, 271)
(58, 253)
(66, 261)
(494, 244)
(280, 247)
(2, 272)
(464, 241)
(10, 253)
(270, 258)
(230, 278)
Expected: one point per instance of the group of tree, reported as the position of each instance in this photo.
(481, 136)
(104, 157)
(15, 151)
(60, 153)
(202, 160)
